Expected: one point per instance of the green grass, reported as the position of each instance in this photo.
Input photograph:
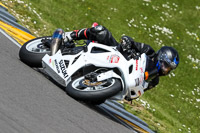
(173, 106)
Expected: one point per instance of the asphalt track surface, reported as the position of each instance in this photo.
(30, 103)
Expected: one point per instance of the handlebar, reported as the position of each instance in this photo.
(133, 54)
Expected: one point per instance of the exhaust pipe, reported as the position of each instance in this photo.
(56, 42)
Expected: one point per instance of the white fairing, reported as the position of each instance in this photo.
(132, 71)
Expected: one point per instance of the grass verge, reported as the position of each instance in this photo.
(174, 105)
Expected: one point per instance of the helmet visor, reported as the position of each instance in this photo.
(165, 67)
(167, 62)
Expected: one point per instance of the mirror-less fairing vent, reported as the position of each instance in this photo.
(98, 50)
(76, 59)
(130, 69)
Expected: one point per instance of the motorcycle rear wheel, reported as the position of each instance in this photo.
(32, 52)
(96, 93)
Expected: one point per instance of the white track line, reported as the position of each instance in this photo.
(10, 38)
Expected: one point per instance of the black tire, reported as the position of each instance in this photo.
(95, 97)
(30, 57)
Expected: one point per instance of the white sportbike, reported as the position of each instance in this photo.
(91, 73)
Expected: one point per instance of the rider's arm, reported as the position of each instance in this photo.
(152, 83)
(138, 47)
(144, 48)
(98, 33)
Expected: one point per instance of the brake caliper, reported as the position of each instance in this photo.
(91, 79)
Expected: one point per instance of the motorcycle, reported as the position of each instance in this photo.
(92, 73)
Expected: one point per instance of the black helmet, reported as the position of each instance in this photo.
(168, 59)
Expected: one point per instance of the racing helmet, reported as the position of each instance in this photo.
(168, 59)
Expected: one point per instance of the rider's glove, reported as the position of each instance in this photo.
(67, 37)
(133, 54)
(126, 43)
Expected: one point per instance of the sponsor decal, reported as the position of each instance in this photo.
(114, 59)
(136, 65)
(51, 62)
(57, 67)
(137, 82)
(108, 57)
(141, 69)
(141, 79)
(63, 70)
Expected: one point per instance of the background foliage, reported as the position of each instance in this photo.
(174, 105)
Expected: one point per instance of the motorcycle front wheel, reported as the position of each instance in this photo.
(95, 92)
(32, 52)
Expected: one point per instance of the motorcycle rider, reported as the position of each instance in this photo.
(160, 63)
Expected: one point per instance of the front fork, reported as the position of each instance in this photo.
(57, 40)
